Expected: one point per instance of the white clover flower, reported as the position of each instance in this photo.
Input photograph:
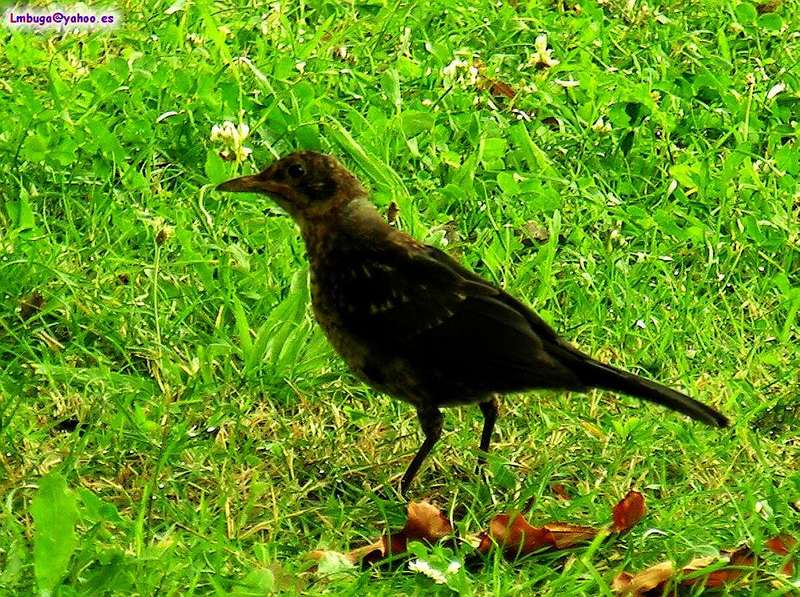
(453, 567)
(195, 39)
(271, 21)
(232, 137)
(450, 71)
(472, 78)
(601, 126)
(567, 83)
(425, 568)
(542, 57)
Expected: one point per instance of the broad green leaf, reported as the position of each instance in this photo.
(55, 514)
(242, 327)
(722, 45)
(35, 147)
(746, 13)
(390, 81)
(494, 148)
(96, 510)
(215, 168)
(770, 21)
(21, 212)
(535, 156)
(414, 123)
(507, 183)
(258, 582)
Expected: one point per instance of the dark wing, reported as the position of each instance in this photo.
(590, 372)
(461, 337)
(451, 325)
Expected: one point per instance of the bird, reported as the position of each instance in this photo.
(413, 323)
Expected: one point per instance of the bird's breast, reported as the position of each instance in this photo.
(334, 309)
(327, 302)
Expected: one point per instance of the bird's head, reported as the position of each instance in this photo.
(307, 184)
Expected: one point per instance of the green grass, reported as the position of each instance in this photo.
(218, 437)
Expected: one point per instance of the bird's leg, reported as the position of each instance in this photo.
(431, 421)
(489, 410)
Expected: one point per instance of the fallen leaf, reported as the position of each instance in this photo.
(495, 87)
(517, 537)
(563, 535)
(738, 561)
(551, 123)
(535, 233)
(782, 545)
(653, 579)
(498, 88)
(628, 512)
(425, 522)
(31, 305)
(558, 489)
(510, 531)
(770, 6)
(514, 535)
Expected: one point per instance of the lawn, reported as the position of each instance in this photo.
(173, 422)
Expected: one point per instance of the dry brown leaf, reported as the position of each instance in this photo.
(739, 561)
(551, 122)
(31, 304)
(642, 583)
(653, 580)
(511, 531)
(770, 6)
(782, 545)
(425, 522)
(495, 87)
(629, 511)
(562, 535)
(535, 233)
(513, 534)
(498, 88)
(517, 537)
(557, 488)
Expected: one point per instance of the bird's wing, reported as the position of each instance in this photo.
(417, 302)
(538, 325)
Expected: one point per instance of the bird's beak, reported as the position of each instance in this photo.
(243, 184)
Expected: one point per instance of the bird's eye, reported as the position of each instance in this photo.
(296, 171)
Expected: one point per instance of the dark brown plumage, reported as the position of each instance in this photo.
(415, 324)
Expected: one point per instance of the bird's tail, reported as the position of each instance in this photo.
(599, 375)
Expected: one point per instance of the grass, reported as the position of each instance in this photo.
(157, 352)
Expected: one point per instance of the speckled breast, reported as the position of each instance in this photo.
(381, 371)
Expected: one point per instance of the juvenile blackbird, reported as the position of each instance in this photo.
(415, 324)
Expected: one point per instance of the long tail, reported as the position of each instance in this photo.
(599, 375)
